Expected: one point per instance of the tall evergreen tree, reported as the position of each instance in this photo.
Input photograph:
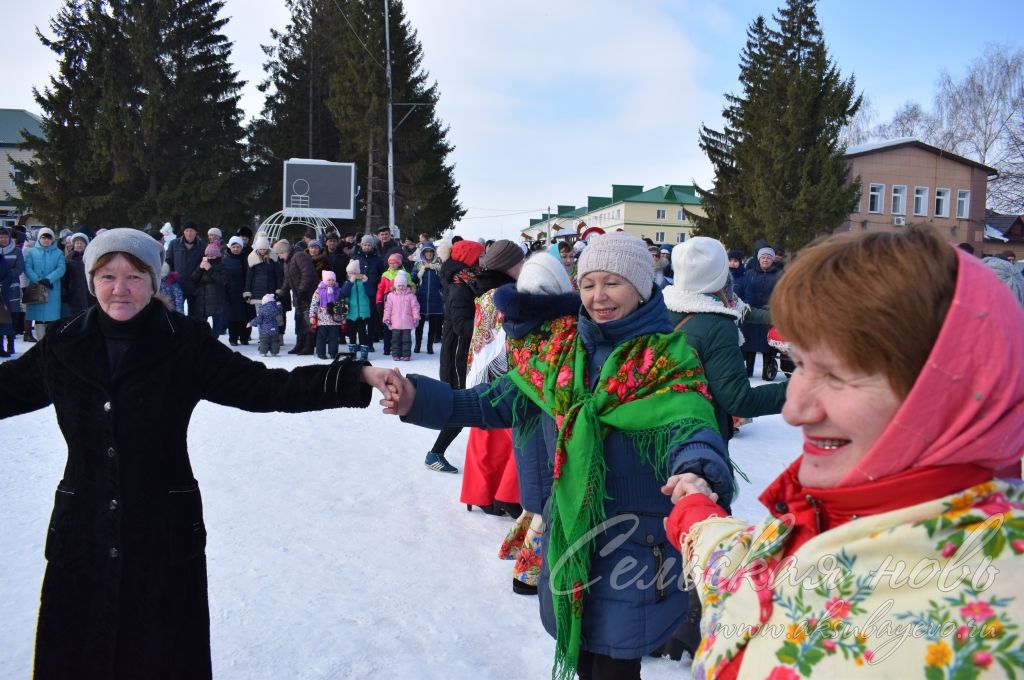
(142, 121)
(347, 78)
(780, 173)
(56, 183)
(295, 121)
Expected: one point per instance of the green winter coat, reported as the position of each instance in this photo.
(713, 334)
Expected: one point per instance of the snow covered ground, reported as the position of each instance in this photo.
(333, 552)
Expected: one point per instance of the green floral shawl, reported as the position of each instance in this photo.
(651, 388)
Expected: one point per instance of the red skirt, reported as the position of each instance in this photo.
(489, 472)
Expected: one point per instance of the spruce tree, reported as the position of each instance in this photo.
(54, 183)
(189, 142)
(295, 121)
(780, 172)
(348, 116)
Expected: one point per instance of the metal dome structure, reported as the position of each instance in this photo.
(273, 225)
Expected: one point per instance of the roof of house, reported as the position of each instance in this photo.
(13, 121)
(1001, 223)
(874, 147)
(666, 193)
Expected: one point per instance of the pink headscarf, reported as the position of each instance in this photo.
(967, 404)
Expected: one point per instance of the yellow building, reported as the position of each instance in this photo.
(662, 214)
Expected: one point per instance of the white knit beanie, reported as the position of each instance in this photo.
(619, 253)
(701, 265)
(542, 274)
(125, 240)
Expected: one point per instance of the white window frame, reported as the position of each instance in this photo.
(944, 196)
(681, 237)
(963, 204)
(879, 191)
(659, 237)
(680, 215)
(660, 214)
(921, 194)
(899, 195)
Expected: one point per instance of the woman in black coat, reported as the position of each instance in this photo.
(124, 593)
(236, 269)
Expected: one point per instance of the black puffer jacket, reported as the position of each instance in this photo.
(125, 586)
(210, 296)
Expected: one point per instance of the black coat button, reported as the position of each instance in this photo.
(781, 507)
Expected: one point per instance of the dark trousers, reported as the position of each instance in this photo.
(401, 342)
(433, 330)
(357, 333)
(236, 331)
(444, 439)
(600, 667)
(327, 340)
(386, 335)
(270, 343)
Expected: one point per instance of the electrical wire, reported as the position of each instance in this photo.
(356, 35)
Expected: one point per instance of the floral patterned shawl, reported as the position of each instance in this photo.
(932, 590)
(651, 388)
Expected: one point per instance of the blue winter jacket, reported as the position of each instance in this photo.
(428, 288)
(637, 597)
(45, 262)
(757, 290)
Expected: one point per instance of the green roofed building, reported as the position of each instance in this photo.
(12, 122)
(663, 214)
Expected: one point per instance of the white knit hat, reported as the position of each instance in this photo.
(700, 265)
(125, 240)
(619, 253)
(542, 274)
(236, 240)
(262, 243)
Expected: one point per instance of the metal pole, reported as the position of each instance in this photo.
(391, 143)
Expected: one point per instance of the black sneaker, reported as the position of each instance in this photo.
(437, 462)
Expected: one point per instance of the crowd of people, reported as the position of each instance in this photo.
(602, 382)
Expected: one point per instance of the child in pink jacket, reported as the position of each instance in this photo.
(401, 314)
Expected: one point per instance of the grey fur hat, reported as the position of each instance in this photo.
(619, 253)
(124, 240)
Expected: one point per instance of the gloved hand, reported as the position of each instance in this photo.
(46, 282)
(313, 323)
(246, 295)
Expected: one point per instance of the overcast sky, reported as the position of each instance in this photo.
(551, 101)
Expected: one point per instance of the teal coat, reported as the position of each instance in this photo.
(45, 262)
(712, 332)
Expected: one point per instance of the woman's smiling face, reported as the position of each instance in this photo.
(607, 296)
(842, 412)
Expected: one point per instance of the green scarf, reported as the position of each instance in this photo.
(651, 388)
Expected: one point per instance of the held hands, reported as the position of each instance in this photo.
(398, 391)
(687, 483)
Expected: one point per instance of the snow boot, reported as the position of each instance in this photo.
(10, 344)
(308, 346)
(300, 341)
(770, 369)
(364, 353)
(437, 462)
(523, 588)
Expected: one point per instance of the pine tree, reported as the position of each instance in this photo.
(295, 121)
(349, 112)
(189, 143)
(55, 183)
(780, 172)
(142, 121)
